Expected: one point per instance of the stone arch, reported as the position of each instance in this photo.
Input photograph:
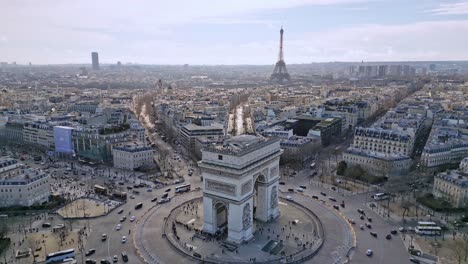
(220, 216)
(260, 178)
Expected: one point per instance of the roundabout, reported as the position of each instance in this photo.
(306, 231)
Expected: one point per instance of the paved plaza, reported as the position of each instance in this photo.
(293, 232)
(86, 207)
(154, 235)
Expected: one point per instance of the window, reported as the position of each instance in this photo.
(220, 157)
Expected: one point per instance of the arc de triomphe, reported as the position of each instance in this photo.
(239, 175)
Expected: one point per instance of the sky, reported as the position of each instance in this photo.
(232, 31)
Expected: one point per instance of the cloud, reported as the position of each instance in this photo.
(459, 8)
(432, 40)
(166, 32)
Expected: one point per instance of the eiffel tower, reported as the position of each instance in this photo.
(280, 73)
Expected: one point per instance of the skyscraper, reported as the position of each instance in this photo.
(95, 60)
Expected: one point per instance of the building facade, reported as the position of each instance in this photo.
(20, 187)
(452, 185)
(133, 156)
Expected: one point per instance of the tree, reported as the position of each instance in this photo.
(406, 206)
(341, 169)
(459, 250)
(4, 229)
(355, 172)
(33, 245)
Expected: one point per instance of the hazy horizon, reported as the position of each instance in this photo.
(232, 33)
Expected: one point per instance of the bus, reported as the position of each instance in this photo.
(60, 256)
(98, 189)
(380, 196)
(182, 188)
(428, 230)
(424, 223)
(120, 195)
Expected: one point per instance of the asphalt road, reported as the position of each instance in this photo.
(385, 251)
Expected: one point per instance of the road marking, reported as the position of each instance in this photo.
(282, 203)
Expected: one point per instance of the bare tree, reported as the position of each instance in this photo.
(406, 206)
(33, 244)
(459, 250)
(82, 206)
(4, 229)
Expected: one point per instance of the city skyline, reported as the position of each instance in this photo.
(233, 33)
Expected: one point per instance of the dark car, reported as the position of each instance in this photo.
(388, 237)
(368, 225)
(336, 207)
(315, 197)
(90, 261)
(125, 256)
(332, 199)
(168, 190)
(129, 188)
(120, 211)
(361, 211)
(138, 206)
(105, 261)
(282, 183)
(393, 232)
(414, 260)
(362, 217)
(165, 196)
(46, 225)
(123, 218)
(154, 199)
(290, 190)
(333, 188)
(322, 193)
(373, 234)
(369, 219)
(197, 255)
(303, 187)
(90, 252)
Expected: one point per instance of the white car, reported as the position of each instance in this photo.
(115, 258)
(118, 227)
(132, 218)
(289, 198)
(299, 190)
(369, 252)
(124, 239)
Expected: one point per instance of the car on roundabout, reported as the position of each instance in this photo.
(369, 253)
(124, 239)
(374, 234)
(118, 227)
